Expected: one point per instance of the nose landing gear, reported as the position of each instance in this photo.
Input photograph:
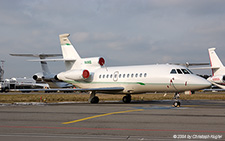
(176, 102)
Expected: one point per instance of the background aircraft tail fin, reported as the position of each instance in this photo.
(44, 65)
(216, 65)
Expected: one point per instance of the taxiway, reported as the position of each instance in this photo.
(151, 120)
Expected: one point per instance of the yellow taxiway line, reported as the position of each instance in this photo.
(74, 121)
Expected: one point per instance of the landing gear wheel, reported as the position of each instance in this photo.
(95, 99)
(127, 99)
(176, 103)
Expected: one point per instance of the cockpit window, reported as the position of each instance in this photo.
(190, 71)
(185, 71)
(173, 71)
(179, 71)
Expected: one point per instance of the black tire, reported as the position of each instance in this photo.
(127, 99)
(95, 99)
(176, 104)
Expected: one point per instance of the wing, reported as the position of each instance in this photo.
(104, 89)
(213, 90)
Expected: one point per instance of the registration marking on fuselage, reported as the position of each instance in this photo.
(106, 114)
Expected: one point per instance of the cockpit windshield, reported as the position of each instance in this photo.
(190, 71)
(180, 71)
(185, 71)
(173, 71)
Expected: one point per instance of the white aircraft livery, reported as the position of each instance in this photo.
(218, 69)
(91, 74)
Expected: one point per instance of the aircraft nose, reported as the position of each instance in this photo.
(203, 83)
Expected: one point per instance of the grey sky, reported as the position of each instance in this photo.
(124, 32)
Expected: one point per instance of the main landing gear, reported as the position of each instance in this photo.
(127, 98)
(93, 98)
(176, 102)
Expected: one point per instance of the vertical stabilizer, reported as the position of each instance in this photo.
(44, 65)
(216, 64)
(68, 51)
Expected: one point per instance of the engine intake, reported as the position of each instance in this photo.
(93, 62)
(38, 77)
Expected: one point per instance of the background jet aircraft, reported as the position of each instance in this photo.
(218, 69)
(46, 75)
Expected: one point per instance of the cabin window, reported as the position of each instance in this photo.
(185, 71)
(128, 75)
(124, 75)
(111, 76)
(140, 75)
(136, 75)
(173, 71)
(145, 75)
(179, 71)
(100, 76)
(119, 75)
(107, 76)
(132, 75)
(103, 76)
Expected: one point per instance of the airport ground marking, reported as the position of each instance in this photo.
(96, 116)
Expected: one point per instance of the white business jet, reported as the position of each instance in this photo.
(90, 74)
(218, 69)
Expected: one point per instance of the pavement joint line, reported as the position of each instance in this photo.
(106, 114)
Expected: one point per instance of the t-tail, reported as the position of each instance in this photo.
(72, 59)
(216, 65)
(78, 69)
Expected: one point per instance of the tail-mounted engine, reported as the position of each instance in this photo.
(76, 75)
(93, 62)
(38, 77)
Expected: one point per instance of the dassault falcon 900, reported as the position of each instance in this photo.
(90, 74)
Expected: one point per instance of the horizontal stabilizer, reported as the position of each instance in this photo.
(51, 60)
(202, 68)
(187, 64)
(37, 55)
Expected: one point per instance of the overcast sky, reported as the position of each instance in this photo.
(124, 32)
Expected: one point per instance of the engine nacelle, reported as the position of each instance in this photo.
(38, 77)
(218, 79)
(73, 75)
(48, 77)
(93, 62)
